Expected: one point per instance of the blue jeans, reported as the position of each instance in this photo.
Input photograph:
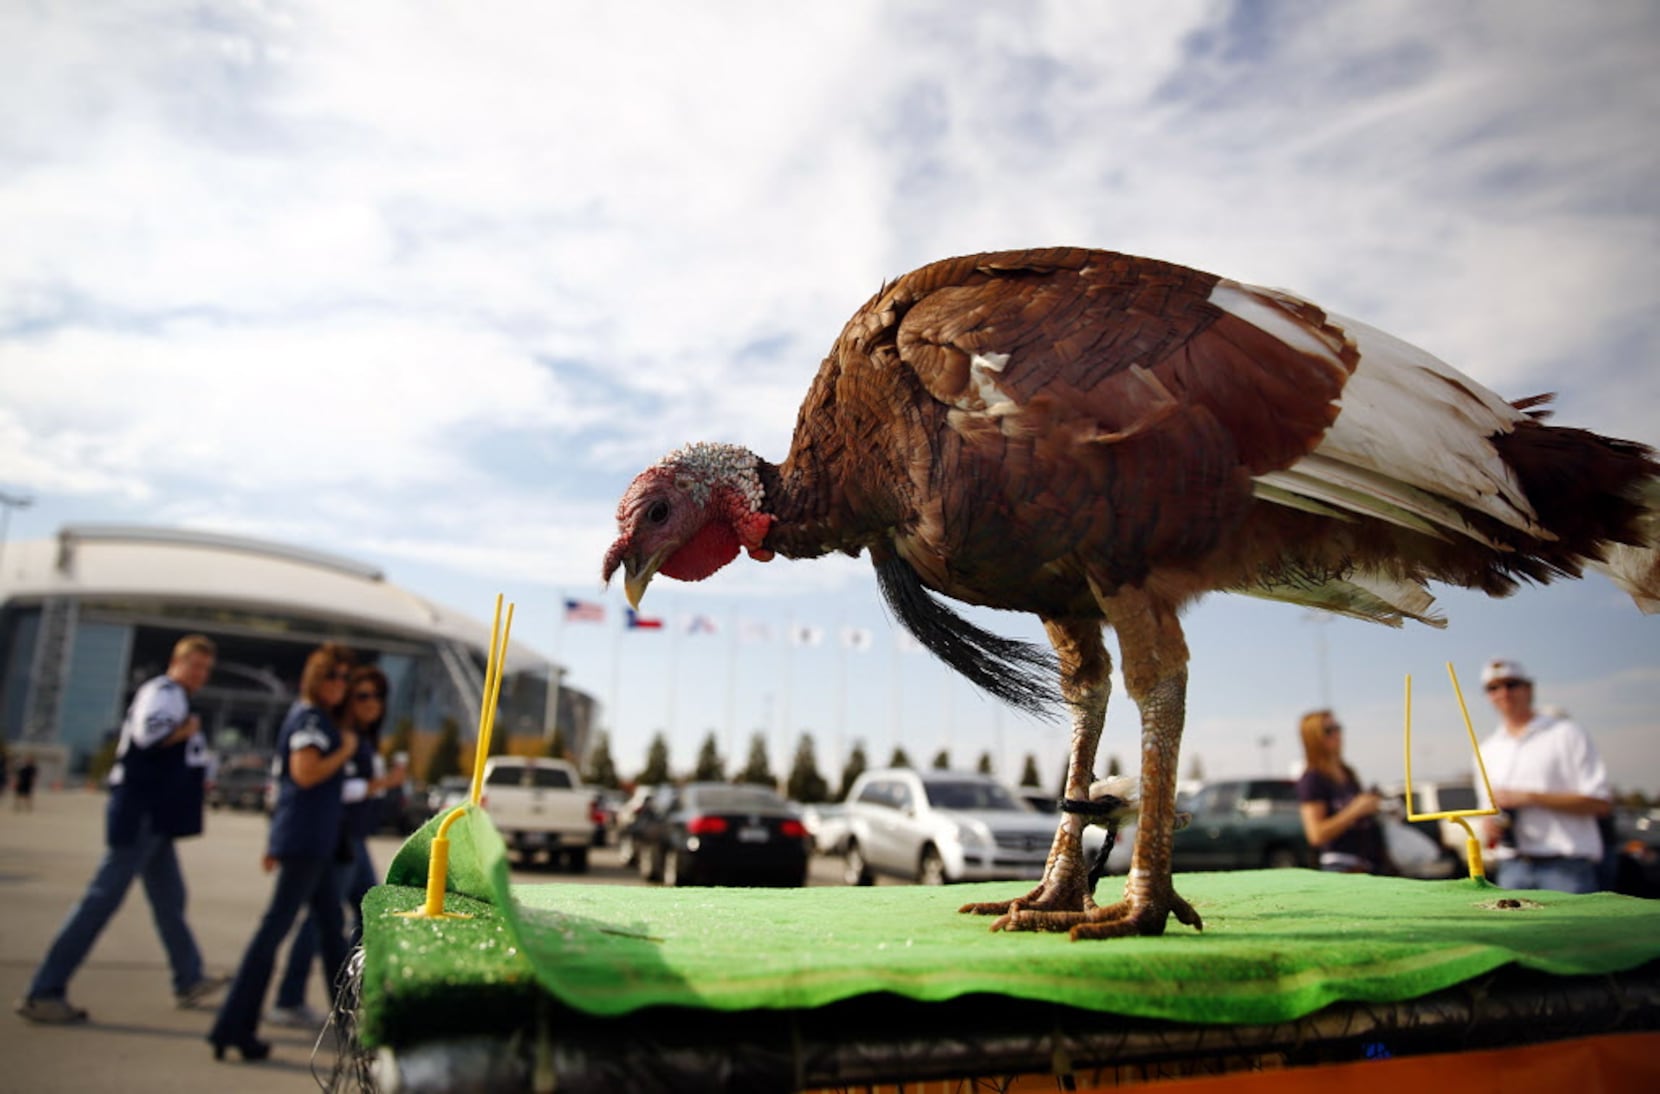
(151, 858)
(353, 879)
(1564, 875)
(301, 883)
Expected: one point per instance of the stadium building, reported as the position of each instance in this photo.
(88, 616)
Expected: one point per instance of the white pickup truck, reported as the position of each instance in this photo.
(540, 805)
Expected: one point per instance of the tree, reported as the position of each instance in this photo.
(985, 767)
(942, 760)
(1113, 769)
(710, 767)
(1029, 774)
(1196, 770)
(758, 769)
(855, 766)
(657, 761)
(446, 754)
(900, 757)
(602, 770)
(805, 784)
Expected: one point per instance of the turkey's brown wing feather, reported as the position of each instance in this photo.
(1095, 406)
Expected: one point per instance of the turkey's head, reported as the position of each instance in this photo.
(687, 515)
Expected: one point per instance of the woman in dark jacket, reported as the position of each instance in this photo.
(363, 790)
(312, 753)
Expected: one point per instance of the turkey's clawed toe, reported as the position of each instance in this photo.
(1049, 907)
(1135, 917)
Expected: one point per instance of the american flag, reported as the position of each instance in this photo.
(584, 611)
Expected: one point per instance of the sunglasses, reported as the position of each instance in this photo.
(368, 696)
(1333, 728)
(340, 674)
(1505, 685)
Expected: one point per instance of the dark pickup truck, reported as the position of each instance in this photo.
(1242, 824)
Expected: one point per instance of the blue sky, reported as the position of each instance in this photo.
(426, 284)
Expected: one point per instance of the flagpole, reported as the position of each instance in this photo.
(896, 695)
(841, 701)
(732, 687)
(789, 676)
(674, 684)
(556, 673)
(616, 666)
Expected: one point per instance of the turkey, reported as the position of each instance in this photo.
(1101, 439)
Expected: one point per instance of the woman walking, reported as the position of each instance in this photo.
(363, 790)
(312, 752)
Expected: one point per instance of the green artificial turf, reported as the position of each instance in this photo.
(1276, 945)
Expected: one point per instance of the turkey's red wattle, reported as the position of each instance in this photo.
(714, 546)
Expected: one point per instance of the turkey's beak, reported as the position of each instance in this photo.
(636, 576)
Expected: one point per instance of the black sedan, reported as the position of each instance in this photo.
(721, 834)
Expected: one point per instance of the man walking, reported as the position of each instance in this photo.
(155, 797)
(1551, 783)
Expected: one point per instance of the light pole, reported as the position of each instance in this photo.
(8, 502)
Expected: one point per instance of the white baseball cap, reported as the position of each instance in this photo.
(1502, 669)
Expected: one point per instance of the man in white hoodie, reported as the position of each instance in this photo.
(1550, 782)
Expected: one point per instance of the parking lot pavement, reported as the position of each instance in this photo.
(137, 1041)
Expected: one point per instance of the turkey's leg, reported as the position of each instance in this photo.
(1155, 675)
(1063, 896)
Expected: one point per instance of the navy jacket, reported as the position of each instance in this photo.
(306, 821)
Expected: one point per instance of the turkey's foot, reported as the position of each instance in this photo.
(1049, 907)
(1136, 916)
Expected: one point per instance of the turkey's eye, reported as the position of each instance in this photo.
(658, 513)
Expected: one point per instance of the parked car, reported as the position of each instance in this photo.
(540, 805)
(1438, 796)
(1242, 824)
(402, 810)
(239, 786)
(721, 833)
(447, 793)
(1636, 866)
(828, 825)
(609, 803)
(935, 827)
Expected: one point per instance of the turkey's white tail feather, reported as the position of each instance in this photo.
(1408, 416)
(1411, 443)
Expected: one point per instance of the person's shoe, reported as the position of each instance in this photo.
(251, 1050)
(199, 991)
(51, 1012)
(300, 1017)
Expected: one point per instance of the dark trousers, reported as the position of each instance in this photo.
(354, 879)
(302, 883)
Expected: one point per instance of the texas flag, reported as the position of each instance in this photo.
(700, 624)
(638, 622)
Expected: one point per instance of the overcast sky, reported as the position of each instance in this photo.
(427, 283)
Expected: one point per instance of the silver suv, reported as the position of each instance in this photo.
(935, 827)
